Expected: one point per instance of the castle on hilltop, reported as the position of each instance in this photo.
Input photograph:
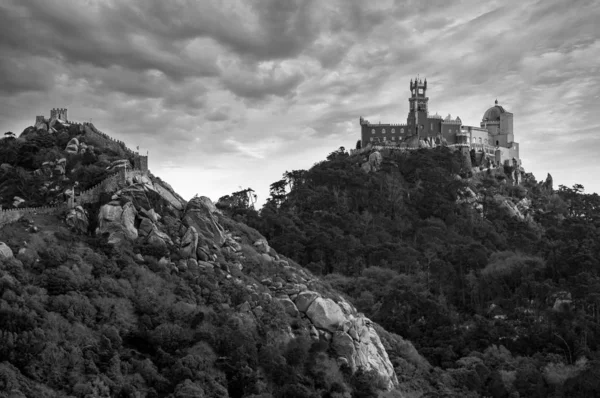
(55, 113)
(494, 136)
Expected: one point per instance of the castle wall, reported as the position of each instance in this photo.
(373, 133)
(449, 129)
(8, 216)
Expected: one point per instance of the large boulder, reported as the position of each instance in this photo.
(73, 146)
(77, 218)
(325, 314)
(262, 246)
(158, 238)
(305, 299)
(189, 243)
(375, 160)
(289, 306)
(5, 251)
(117, 221)
(201, 215)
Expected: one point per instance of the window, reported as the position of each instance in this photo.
(371, 138)
(373, 131)
(480, 140)
(393, 138)
(393, 131)
(382, 131)
(420, 91)
(402, 130)
(431, 125)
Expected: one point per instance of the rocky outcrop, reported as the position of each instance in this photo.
(73, 146)
(189, 243)
(467, 196)
(325, 314)
(375, 160)
(509, 207)
(77, 218)
(262, 246)
(305, 299)
(5, 251)
(201, 215)
(117, 221)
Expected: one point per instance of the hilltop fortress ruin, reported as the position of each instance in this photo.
(492, 140)
(125, 173)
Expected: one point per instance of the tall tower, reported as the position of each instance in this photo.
(418, 106)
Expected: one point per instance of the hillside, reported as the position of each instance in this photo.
(112, 285)
(494, 277)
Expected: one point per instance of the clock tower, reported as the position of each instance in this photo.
(418, 108)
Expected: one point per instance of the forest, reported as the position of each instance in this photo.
(506, 305)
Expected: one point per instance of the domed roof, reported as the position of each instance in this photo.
(493, 114)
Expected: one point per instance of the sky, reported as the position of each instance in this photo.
(230, 94)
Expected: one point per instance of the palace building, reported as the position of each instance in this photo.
(494, 136)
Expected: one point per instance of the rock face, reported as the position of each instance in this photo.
(77, 218)
(325, 314)
(375, 160)
(305, 299)
(5, 251)
(189, 243)
(353, 337)
(201, 215)
(117, 221)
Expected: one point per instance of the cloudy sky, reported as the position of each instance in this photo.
(230, 94)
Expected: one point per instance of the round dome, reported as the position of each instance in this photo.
(493, 114)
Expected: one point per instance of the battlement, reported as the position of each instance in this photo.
(452, 122)
(365, 122)
(59, 113)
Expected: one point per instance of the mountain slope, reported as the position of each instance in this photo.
(494, 277)
(112, 285)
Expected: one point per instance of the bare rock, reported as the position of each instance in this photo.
(325, 314)
(262, 246)
(375, 160)
(5, 251)
(305, 299)
(117, 221)
(77, 218)
(199, 213)
(343, 346)
(289, 306)
(189, 243)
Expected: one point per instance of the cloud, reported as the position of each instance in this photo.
(225, 87)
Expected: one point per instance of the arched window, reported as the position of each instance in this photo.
(480, 140)
(393, 138)
(371, 139)
(382, 131)
(497, 143)
(393, 131)
(402, 130)
(373, 131)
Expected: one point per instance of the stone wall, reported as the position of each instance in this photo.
(109, 184)
(8, 216)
